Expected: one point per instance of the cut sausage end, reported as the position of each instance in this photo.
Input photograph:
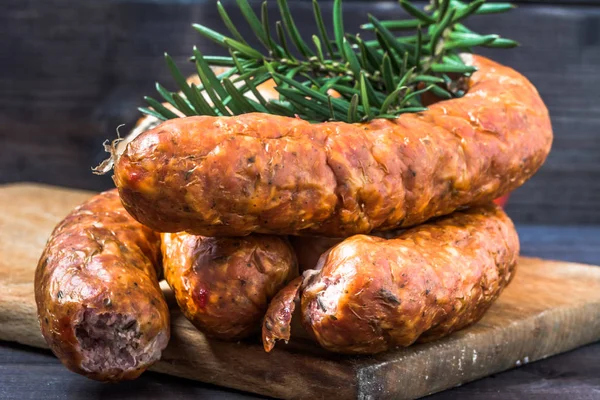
(113, 347)
(278, 319)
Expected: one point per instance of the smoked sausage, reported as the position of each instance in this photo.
(370, 294)
(224, 285)
(99, 303)
(232, 176)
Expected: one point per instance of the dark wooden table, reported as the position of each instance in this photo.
(71, 71)
(27, 373)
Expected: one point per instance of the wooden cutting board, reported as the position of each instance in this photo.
(550, 307)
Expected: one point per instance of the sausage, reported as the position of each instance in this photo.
(99, 303)
(309, 249)
(370, 294)
(266, 90)
(231, 176)
(224, 285)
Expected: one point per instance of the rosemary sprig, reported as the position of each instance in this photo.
(379, 78)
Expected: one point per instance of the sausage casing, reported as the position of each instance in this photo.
(231, 176)
(370, 294)
(224, 285)
(99, 303)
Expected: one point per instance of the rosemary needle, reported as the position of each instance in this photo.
(380, 78)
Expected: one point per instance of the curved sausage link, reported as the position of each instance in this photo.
(231, 176)
(370, 294)
(99, 303)
(224, 285)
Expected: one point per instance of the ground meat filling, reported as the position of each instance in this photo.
(111, 342)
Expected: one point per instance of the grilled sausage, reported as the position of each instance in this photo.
(229, 176)
(370, 294)
(224, 285)
(99, 304)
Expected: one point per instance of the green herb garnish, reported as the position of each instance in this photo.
(379, 78)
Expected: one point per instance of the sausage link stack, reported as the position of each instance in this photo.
(221, 188)
(231, 176)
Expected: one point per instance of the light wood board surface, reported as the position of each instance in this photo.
(549, 308)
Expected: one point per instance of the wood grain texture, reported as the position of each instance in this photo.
(574, 376)
(71, 72)
(540, 314)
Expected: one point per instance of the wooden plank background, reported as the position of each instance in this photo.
(72, 71)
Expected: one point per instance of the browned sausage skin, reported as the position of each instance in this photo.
(278, 320)
(370, 294)
(231, 176)
(99, 304)
(224, 285)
